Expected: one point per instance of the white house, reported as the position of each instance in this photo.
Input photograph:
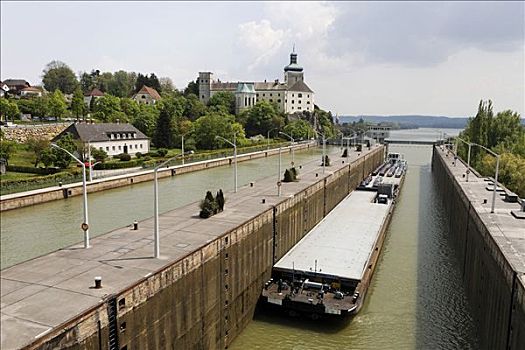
(113, 138)
(3, 89)
(31, 91)
(147, 95)
(92, 95)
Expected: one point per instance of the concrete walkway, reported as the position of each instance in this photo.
(43, 293)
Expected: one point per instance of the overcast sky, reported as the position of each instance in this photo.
(379, 58)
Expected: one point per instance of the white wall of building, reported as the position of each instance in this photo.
(114, 147)
(297, 101)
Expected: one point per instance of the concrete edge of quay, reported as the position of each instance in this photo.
(491, 251)
(43, 195)
(205, 297)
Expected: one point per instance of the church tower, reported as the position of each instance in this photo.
(293, 72)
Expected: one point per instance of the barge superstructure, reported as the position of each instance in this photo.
(328, 272)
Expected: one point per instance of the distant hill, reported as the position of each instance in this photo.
(406, 121)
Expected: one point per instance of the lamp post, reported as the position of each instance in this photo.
(268, 137)
(156, 234)
(291, 139)
(85, 224)
(279, 174)
(494, 189)
(468, 155)
(91, 167)
(182, 149)
(324, 160)
(234, 144)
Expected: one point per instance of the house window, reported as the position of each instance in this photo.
(271, 100)
(141, 145)
(100, 148)
(271, 94)
(299, 95)
(292, 95)
(299, 101)
(111, 136)
(292, 101)
(134, 135)
(119, 148)
(257, 94)
(202, 81)
(118, 136)
(202, 96)
(307, 102)
(107, 148)
(308, 95)
(298, 107)
(279, 100)
(292, 107)
(136, 146)
(263, 94)
(285, 101)
(113, 148)
(143, 96)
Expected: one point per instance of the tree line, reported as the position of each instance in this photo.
(504, 134)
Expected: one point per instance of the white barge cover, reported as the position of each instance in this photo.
(342, 242)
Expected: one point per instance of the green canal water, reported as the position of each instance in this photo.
(32, 231)
(416, 299)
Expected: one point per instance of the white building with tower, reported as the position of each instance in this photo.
(291, 96)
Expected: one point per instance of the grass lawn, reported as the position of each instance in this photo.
(22, 156)
(10, 175)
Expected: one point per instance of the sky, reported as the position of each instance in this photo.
(360, 58)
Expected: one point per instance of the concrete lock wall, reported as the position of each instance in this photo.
(494, 290)
(205, 299)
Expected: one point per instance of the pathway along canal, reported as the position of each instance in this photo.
(416, 299)
(32, 231)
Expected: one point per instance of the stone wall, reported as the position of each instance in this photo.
(205, 299)
(494, 290)
(21, 134)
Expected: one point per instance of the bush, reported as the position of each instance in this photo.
(32, 170)
(138, 155)
(290, 175)
(162, 152)
(98, 154)
(124, 157)
(18, 185)
(326, 161)
(146, 158)
(119, 165)
(345, 153)
(208, 206)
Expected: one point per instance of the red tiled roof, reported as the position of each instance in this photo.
(150, 91)
(95, 92)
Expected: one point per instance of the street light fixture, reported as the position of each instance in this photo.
(268, 137)
(494, 189)
(468, 155)
(156, 231)
(324, 160)
(234, 144)
(291, 139)
(85, 224)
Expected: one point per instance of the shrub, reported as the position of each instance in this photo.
(162, 152)
(124, 157)
(31, 170)
(294, 173)
(98, 154)
(138, 155)
(146, 158)
(119, 165)
(288, 176)
(326, 161)
(208, 206)
(345, 153)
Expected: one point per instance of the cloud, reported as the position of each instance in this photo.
(427, 33)
(261, 40)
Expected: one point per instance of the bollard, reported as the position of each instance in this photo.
(263, 201)
(98, 282)
(135, 225)
(251, 184)
(316, 174)
(60, 184)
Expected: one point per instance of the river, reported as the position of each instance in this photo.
(416, 299)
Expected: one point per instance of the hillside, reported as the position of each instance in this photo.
(406, 121)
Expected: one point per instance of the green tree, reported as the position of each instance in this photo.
(213, 124)
(146, 119)
(261, 118)
(57, 104)
(8, 109)
(167, 87)
(61, 158)
(78, 107)
(98, 154)
(7, 148)
(107, 109)
(222, 101)
(299, 129)
(129, 107)
(58, 76)
(41, 106)
(164, 131)
(37, 146)
(192, 88)
(193, 107)
(47, 157)
(121, 84)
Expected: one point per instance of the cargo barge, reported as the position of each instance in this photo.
(327, 273)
